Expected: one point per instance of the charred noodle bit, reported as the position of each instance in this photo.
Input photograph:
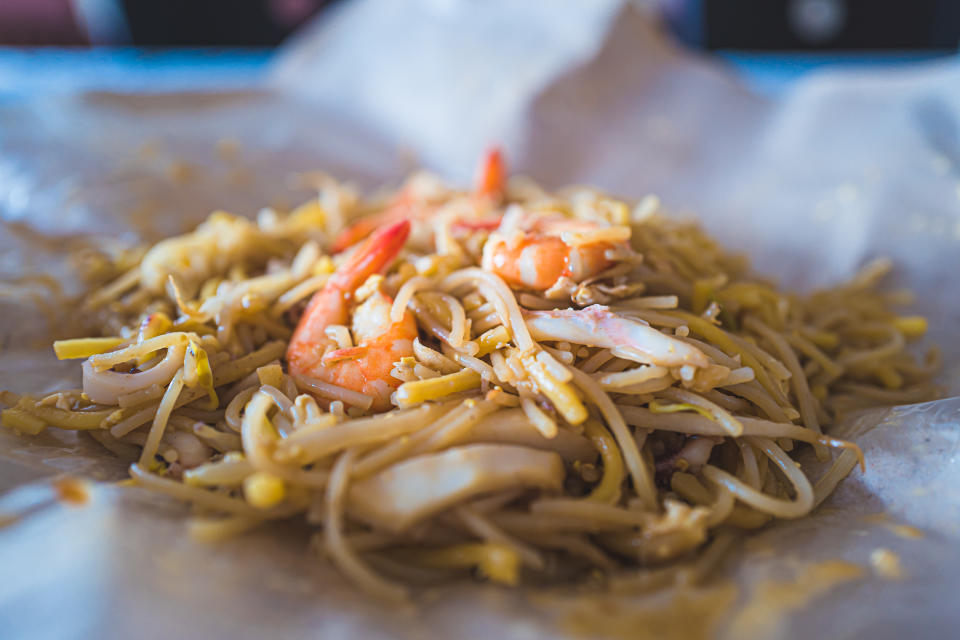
(475, 381)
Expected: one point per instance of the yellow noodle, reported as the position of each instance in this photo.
(801, 390)
(336, 546)
(230, 471)
(632, 377)
(721, 508)
(412, 393)
(546, 425)
(719, 415)
(141, 396)
(333, 392)
(751, 472)
(201, 497)
(780, 508)
(259, 439)
(639, 470)
(219, 529)
(608, 489)
(840, 469)
(458, 321)
(497, 292)
(483, 528)
(445, 431)
(160, 419)
(313, 445)
(106, 360)
(592, 511)
(405, 295)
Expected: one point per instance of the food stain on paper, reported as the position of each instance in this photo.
(68, 490)
(72, 491)
(685, 613)
(898, 529)
(886, 564)
(7, 519)
(772, 600)
(906, 531)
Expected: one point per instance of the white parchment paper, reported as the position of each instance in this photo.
(845, 167)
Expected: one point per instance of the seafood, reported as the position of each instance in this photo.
(548, 251)
(410, 204)
(404, 206)
(406, 493)
(377, 342)
(627, 338)
(491, 180)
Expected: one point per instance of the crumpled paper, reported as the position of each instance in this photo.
(844, 167)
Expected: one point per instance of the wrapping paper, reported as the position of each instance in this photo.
(844, 167)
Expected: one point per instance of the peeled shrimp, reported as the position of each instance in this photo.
(378, 341)
(537, 251)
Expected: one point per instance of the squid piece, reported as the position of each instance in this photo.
(597, 326)
(406, 493)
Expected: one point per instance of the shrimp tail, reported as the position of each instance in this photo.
(376, 254)
(490, 185)
(339, 355)
(355, 233)
(328, 306)
(491, 180)
(400, 209)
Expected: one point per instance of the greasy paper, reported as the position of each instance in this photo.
(843, 168)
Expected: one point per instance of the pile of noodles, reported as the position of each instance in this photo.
(590, 463)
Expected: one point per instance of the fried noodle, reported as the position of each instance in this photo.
(652, 398)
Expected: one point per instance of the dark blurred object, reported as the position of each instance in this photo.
(745, 25)
(187, 23)
(224, 23)
(816, 25)
(32, 22)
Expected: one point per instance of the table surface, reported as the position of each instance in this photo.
(25, 72)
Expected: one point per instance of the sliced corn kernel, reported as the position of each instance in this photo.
(494, 561)
(308, 215)
(323, 266)
(911, 326)
(264, 490)
(84, 347)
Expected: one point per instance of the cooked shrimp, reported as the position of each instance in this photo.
(404, 206)
(491, 180)
(379, 342)
(540, 251)
(627, 338)
(489, 189)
